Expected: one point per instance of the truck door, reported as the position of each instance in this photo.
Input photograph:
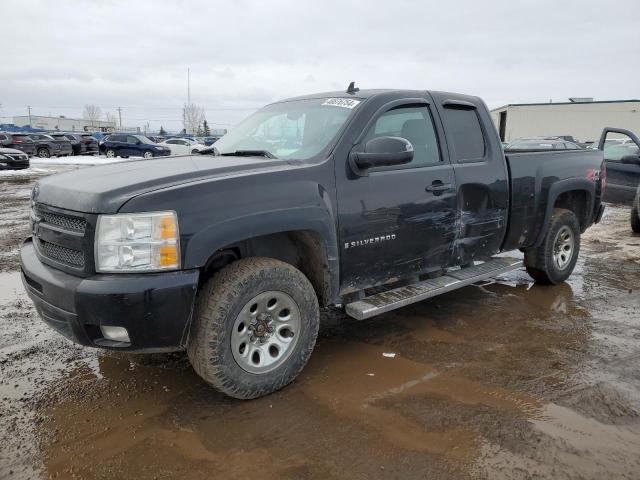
(481, 176)
(398, 221)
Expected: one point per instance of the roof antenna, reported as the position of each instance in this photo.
(352, 88)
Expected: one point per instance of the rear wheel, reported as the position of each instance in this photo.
(256, 325)
(635, 217)
(554, 260)
(111, 153)
(43, 152)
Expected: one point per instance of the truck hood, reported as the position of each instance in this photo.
(105, 188)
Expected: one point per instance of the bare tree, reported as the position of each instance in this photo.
(192, 116)
(92, 113)
(111, 117)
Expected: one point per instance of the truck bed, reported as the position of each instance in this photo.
(533, 177)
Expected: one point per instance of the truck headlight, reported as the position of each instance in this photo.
(137, 242)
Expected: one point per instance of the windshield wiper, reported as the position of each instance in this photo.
(249, 153)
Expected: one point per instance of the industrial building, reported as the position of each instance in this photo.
(64, 124)
(581, 118)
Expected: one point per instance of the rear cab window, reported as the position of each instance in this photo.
(465, 135)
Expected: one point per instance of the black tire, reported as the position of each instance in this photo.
(43, 152)
(541, 262)
(194, 152)
(110, 153)
(148, 154)
(635, 219)
(220, 302)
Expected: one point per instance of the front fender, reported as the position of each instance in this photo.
(217, 236)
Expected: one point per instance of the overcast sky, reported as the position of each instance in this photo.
(59, 55)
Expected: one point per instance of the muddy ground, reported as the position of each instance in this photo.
(505, 380)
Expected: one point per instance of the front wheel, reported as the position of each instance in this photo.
(147, 154)
(256, 324)
(635, 217)
(554, 260)
(111, 153)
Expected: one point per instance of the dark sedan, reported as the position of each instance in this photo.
(124, 145)
(12, 159)
(19, 141)
(82, 143)
(74, 142)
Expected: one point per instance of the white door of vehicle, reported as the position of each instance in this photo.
(178, 146)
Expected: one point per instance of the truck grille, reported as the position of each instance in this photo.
(62, 254)
(63, 239)
(65, 222)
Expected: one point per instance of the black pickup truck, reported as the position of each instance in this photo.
(363, 200)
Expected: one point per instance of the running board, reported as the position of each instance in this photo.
(452, 280)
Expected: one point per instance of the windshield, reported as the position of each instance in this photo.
(298, 129)
(144, 139)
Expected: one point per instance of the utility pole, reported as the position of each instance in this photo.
(29, 109)
(188, 88)
(120, 117)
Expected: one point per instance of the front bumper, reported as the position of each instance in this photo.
(155, 308)
(14, 165)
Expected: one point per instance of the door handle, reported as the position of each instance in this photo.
(437, 187)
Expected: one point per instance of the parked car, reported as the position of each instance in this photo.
(19, 141)
(309, 202)
(73, 141)
(542, 143)
(635, 212)
(12, 159)
(183, 146)
(123, 145)
(61, 148)
(88, 144)
(623, 173)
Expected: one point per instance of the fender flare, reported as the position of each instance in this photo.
(217, 236)
(557, 189)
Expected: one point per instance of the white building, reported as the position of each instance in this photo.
(581, 118)
(64, 124)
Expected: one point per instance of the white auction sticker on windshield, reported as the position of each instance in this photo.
(341, 102)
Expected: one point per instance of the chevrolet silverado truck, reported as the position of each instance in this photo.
(361, 200)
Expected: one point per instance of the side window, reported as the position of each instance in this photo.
(413, 123)
(466, 134)
(132, 140)
(618, 145)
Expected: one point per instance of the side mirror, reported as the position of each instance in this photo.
(383, 152)
(631, 160)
